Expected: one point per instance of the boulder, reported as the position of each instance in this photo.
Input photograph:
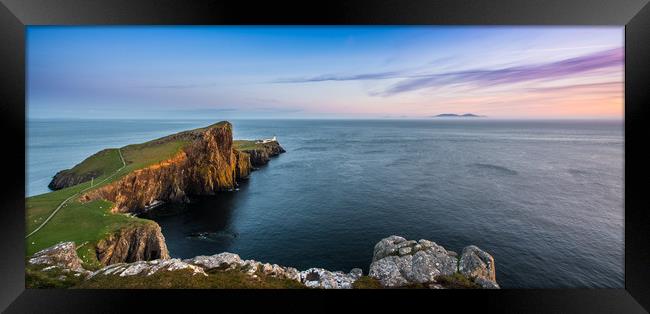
(223, 261)
(62, 255)
(399, 262)
(325, 279)
(478, 265)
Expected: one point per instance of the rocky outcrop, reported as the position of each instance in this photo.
(325, 279)
(208, 164)
(399, 262)
(62, 255)
(478, 265)
(148, 268)
(141, 242)
(229, 261)
(263, 153)
(312, 278)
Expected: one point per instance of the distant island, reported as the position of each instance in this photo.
(454, 115)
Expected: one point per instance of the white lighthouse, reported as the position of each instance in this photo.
(269, 140)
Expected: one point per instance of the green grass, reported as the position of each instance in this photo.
(183, 279)
(87, 223)
(457, 281)
(367, 282)
(454, 281)
(243, 145)
(35, 277)
(102, 163)
(82, 223)
(140, 156)
(91, 221)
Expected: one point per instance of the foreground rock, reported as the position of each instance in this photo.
(322, 278)
(63, 256)
(312, 278)
(478, 265)
(398, 262)
(131, 244)
(148, 268)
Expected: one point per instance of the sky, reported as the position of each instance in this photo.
(225, 72)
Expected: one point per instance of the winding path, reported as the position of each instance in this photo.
(119, 151)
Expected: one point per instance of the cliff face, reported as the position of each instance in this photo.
(206, 165)
(138, 243)
(263, 152)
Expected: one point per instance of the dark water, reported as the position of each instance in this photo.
(545, 198)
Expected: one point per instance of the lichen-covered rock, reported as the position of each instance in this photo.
(325, 279)
(356, 273)
(222, 261)
(140, 242)
(398, 262)
(148, 268)
(230, 261)
(478, 265)
(62, 255)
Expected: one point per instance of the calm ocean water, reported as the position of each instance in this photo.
(545, 198)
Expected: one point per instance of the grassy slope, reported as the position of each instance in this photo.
(105, 162)
(90, 222)
(245, 145)
(183, 279)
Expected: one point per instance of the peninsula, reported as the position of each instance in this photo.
(86, 233)
(95, 202)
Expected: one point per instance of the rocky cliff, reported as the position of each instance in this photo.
(397, 262)
(263, 153)
(141, 242)
(206, 165)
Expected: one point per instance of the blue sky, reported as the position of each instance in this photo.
(323, 72)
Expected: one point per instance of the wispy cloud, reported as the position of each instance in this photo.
(491, 77)
(177, 86)
(603, 87)
(340, 77)
(609, 58)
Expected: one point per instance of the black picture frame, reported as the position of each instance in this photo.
(634, 14)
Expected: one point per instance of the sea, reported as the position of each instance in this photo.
(544, 197)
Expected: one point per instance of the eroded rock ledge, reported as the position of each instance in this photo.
(397, 262)
(140, 242)
(263, 153)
